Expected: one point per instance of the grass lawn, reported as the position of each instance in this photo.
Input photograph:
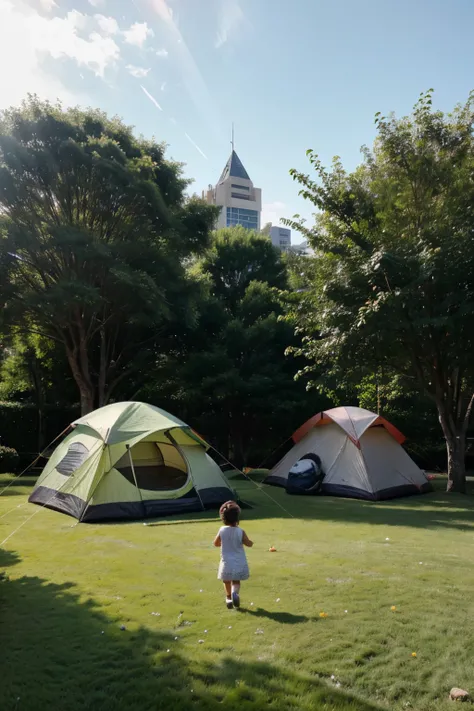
(69, 588)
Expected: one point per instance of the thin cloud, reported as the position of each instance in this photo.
(231, 17)
(48, 5)
(108, 25)
(191, 76)
(163, 86)
(162, 53)
(26, 37)
(138, 72)
(138, 33)
(97, 3)
(196, 146)
(152, 98)
(55, 36)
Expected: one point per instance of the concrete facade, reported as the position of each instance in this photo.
(280, 237)
(235, 194)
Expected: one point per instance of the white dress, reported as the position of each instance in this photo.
(233, 565)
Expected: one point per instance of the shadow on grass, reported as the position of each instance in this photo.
(8, 558)
(258, 685)
(434, 510)
(60, 651)
(285, 618)
(21, 487)
(199, 517)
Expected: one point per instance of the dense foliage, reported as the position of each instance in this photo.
(392, 288)
(95, 231)
(229, 374)
(9, 459)
(114, 287)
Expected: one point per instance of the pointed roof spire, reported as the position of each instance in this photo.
(234, 168)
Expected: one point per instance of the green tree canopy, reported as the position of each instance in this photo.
(229, 374)
(238, 257)
(392, 285)
(96, 230)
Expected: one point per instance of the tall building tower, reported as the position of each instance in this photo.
(235, 194)
(280, 237)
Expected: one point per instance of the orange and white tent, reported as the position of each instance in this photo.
(361, 454)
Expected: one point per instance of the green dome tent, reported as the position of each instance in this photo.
(130, 460)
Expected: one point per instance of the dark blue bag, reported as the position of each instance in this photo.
(306, 476)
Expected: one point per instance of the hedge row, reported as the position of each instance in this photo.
(9, 460)
(19, 428)
(19, 425)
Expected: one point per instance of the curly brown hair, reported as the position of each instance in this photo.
(230, 513)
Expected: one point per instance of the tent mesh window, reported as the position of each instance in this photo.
(158, 467)
(74, 457)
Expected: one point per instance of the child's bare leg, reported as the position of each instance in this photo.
(236, 593)
(228, 594)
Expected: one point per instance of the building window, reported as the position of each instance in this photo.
(240, 197)
(241, 216)
(240, 187)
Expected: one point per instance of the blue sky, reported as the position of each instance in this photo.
(292, 76)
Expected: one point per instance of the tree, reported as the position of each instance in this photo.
(393, 281)
(229, 374)
(34, 369)
(95, 231)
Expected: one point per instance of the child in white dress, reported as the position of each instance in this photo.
(233, 566)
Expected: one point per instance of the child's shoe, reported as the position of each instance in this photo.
(236, 599)
(229, 603)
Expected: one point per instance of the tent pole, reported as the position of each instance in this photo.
(91, 495)
(174, 442)
(135, 479)
(265, 460)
